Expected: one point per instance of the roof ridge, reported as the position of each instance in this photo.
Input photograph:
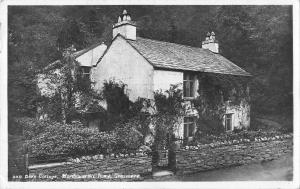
(169, 43)
(170, 55)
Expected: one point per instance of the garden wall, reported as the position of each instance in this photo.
(133, 167)
(89, 168)
(208, 157)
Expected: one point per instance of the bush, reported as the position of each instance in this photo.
(52, 138)
(128, 138)
(31, 127)
(244, 134)
(71, 139)
(209, 126)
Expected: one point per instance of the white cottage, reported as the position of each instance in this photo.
(147, 65)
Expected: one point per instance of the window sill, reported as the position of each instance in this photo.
(189, 98)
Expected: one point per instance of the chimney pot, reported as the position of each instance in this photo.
(210, 42)
(125, 26)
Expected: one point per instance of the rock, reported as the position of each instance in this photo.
(162, 173)
(145, 148)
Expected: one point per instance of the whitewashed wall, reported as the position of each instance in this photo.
(241, 115)
(162, 79)
(91, 57)
(123, 63)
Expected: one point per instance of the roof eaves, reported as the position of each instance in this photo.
(203, 70)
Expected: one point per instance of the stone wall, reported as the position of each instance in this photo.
(108, 168)
(208, 157)
(135, 167)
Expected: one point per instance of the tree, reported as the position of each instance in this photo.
(169, 108)
(71, 35)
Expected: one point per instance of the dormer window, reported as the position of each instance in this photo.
(188, 85)
(85, 71)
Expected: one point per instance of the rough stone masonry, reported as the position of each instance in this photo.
(188, 161)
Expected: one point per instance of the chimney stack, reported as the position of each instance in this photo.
(211, 43)
(125, 27)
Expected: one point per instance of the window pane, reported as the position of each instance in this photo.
(185, 76)
(184, 88)
(187, 89)
(185, 119)
(185, 132)
(191, 129)
(228, 121)
(85, 70)
(191, 89)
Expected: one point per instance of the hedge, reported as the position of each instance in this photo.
(47, 139)
(230, 136)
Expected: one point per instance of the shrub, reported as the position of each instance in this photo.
(209, 125)
(128, 138)
(243, 134)
(48, 139)
(71, 139)
(31, 127)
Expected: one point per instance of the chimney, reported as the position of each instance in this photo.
(211, 43)
(125, 26)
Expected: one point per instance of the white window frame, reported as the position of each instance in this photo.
(188, 80)
(85, 74)
(226, 123)
(187, 126)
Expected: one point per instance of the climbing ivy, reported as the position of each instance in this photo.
(216, 90)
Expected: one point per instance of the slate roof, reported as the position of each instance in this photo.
(167, 55)
(58, 63)
(81, 52)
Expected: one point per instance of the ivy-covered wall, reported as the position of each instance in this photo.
(220, 95)
(240, 114)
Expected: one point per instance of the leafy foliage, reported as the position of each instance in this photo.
(170, 107)
(243, 134)
(128, 138)
(70, 34)
(216, 90)
(47, 138)
(117, 101)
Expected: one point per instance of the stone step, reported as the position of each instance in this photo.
(162, 173)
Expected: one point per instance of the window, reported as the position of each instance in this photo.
(228, 122)
(85, 72)
(189, 126)
(188, 85)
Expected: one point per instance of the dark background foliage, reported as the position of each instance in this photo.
(257, 38)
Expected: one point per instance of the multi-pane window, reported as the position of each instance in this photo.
(188, 85)
(85, 70)
(189, 126)
(228, 122)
